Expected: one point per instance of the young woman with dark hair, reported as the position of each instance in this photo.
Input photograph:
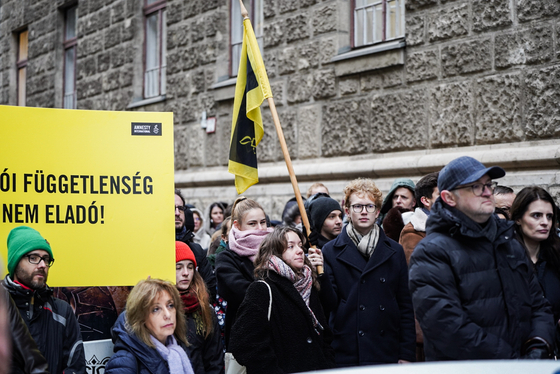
(280, 326)
(535, 216)
(215, 215)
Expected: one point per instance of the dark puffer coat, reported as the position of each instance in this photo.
(288, 343)
(372, 318)
(133, 356)
(53, 326)
(475, 298)
(234, 275)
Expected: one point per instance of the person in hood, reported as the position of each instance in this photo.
(401, 194)
(200, 236)
(415, 226)
(150, 336)
(184, 226)
(474, 292)
(51, 321)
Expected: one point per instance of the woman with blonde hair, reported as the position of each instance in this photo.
(150, 335)
(280, 326)
(206, 349)
(234, 266)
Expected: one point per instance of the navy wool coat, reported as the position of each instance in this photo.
(371, 309)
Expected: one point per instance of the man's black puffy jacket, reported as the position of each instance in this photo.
(475, 298)
(52, 325)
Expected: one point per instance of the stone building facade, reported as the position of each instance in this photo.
(470, 77)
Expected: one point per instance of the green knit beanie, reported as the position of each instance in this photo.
(21, 241)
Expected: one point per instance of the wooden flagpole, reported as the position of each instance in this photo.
(286, 153)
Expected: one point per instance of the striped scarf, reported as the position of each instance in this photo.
(303, 283)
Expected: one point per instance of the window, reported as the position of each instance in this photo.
(70, 41)
(154, 48)
(377, 21)
(22, 67)
(256, 14)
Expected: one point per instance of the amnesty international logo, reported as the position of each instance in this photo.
(145, 128)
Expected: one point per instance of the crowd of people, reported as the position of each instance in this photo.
(454, 267)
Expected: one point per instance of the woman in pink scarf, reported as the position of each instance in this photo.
(234, 266)
(280, 326)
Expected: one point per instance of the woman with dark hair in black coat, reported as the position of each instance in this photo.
(535, 216)
(280, 326)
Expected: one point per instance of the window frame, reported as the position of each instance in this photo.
(21, 65)
(158, 7)
(259, 31)
(385, 14)
(69, 44)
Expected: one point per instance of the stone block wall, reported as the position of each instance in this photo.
(473, 73)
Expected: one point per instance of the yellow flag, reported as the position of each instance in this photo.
(247, 128)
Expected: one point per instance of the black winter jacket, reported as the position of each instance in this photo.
(288, 343)
(52, 325)
(234, 275)
(206, 354)
(26, 357)
(372, 318)
(133, 356)
(475, 298)
(204, 267)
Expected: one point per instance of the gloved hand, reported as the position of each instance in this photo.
(314, 237)
(536, 348)
(536, 354)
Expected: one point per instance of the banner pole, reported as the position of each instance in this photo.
(293, 178)
(272, 106)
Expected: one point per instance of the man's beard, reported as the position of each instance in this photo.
(27, 279)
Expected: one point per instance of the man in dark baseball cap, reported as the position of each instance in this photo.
(473, 290)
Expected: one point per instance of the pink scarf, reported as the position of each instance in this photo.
(246, 243)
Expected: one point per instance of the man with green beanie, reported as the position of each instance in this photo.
(51, 321)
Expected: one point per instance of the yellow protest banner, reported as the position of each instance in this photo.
(97, 185)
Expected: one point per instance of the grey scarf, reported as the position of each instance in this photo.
(366, 243)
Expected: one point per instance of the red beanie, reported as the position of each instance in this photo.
(183, 252)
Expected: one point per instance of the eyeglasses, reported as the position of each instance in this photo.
(36, 260)
(181, 208)
(479, 188)
(358, 208)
